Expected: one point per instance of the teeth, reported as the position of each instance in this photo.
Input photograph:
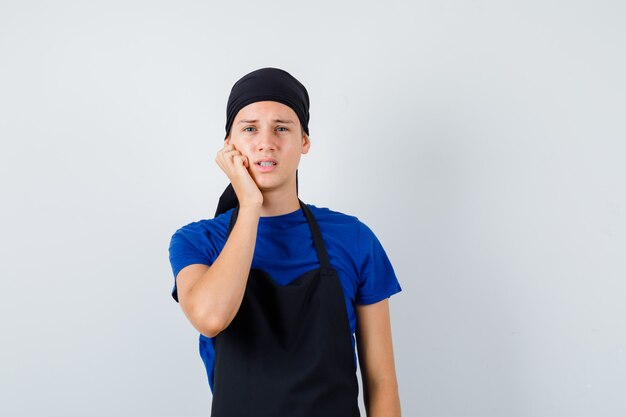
(266, 164)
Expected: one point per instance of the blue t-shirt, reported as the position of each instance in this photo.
(285, 250)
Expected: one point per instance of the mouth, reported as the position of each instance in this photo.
(266, 165)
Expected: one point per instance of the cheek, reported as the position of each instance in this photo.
(241, 146)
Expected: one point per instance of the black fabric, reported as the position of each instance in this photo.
(288, 350)
(229, 199)
(272, 84)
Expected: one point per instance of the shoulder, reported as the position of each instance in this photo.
(331, 217)
(338, 218)
(344, 226)
(352, 231)
(204, 228)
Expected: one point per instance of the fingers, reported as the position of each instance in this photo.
(238, 156)
(240, 160)
(229, 151)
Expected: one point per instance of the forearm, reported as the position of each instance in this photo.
(217, 296)
(382, 399)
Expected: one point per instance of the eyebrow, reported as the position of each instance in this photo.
(275, 120)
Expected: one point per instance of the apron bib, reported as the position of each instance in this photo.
(288, 351)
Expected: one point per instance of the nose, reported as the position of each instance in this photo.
(266, 140)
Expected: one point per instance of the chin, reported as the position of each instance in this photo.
(267, 185)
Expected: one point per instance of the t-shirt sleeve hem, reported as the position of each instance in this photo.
(191, 261)
(188, 261)
(371, 299)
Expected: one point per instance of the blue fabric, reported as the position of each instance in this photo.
(285, 249)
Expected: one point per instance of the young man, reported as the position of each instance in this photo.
(278, 288)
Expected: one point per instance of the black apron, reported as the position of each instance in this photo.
(288, 351)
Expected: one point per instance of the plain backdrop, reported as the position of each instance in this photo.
(482, 141)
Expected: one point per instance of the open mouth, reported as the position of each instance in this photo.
(266, 166)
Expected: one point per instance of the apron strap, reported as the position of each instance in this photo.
(320, 247)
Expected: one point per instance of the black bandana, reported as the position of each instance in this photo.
(271, 84)
(264, 84)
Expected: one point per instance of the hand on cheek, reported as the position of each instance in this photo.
(246, 162)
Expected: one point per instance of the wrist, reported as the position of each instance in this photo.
(250, 208)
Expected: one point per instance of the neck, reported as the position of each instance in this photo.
(280, 201)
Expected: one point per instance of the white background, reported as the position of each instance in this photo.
(482, 141)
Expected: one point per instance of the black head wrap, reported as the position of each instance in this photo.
(264, 84)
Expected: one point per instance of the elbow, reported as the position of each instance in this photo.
(205, 320)
(209, 325)
(210, 330)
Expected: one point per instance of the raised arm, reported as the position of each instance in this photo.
(211, 296)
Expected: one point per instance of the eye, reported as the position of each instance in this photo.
(249, 127)
(281, 127)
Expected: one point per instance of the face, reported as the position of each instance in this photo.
(269, 129)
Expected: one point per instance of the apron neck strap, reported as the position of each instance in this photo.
(318, 241)
(320, 247)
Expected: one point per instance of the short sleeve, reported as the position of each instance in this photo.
(377, 278)
(183, 252)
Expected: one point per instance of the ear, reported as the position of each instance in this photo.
(306, 143)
